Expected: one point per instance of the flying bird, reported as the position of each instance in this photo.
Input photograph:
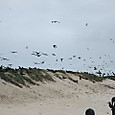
(74, 56)
(36, 63)
(10, 65)
(14, 52)
(105, 55)
(54, 21)
(61, 59)
(54, 46)
(110, 38)
(70, 58)
(86, 24)
(42, 62)
(83, 59)
(87, 48)
(26, 47)
(45, 54)
(4, 58)
(95, 68)
(53, 54)
(92, 61)
(35, 53)
(79, 57)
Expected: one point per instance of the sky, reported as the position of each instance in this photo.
(26, 27)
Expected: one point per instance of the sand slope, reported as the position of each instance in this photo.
(57, 98)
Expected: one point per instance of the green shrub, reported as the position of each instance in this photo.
(92, 77)
(47, 76)
(61, 71)
(29, 80)
(9, 78)
(18, 78)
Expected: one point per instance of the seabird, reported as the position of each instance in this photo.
(79, 57)
(54, 21)
(14, 52)
(53, 54)
(86, 24)
(55, 46)
(61, 59)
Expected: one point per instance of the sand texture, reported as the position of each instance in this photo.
(62, 97)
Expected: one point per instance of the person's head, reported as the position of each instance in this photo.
(89, 112)
(113, 101)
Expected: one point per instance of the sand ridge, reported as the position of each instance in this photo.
(56, 98)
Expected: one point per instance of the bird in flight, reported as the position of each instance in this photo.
(95, 68)
(14, 52)
(10, 65)
(36, 63)
(99, 57)
(54, 21)
(61, 59)
(53, 54)
(42, 62)
(45, 54)
(26, 47)
(79, 57)
(87, 48)
(35, 53)
(74, 56)
(55, 46)
(86, 24)
(110, 38)
(70, 58)
(4, 58)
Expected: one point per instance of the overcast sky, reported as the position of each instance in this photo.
(29, 23)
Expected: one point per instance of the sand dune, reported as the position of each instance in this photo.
(57, 98)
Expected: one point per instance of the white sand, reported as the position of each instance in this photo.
(62, 97)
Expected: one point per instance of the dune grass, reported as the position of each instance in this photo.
(24, 77)
(91, 77)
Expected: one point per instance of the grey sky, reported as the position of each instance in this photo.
(28, 23)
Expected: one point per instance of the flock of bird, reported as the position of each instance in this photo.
(38, 54)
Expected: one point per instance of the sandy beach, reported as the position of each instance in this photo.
(57, 98)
